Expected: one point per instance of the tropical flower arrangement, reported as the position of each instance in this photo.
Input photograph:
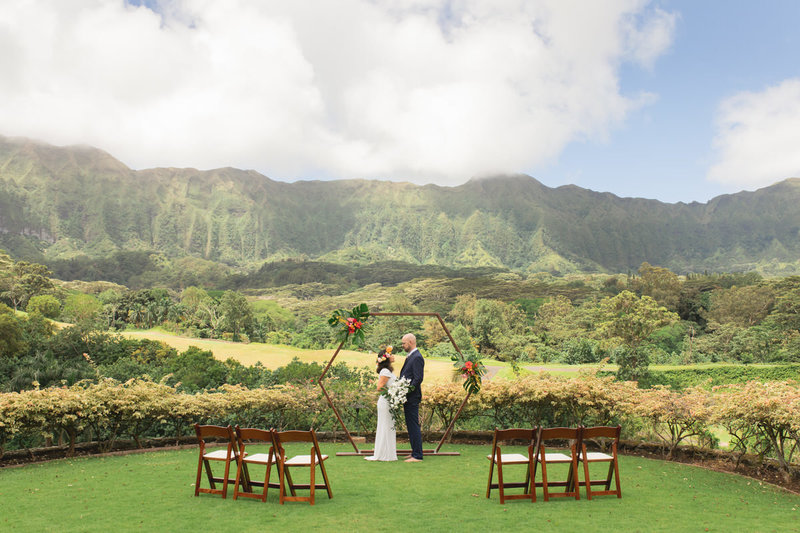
(396, 395)
(386, 354)
(471, 369)
(350, 324)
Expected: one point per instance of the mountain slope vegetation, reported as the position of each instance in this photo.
(66, 203)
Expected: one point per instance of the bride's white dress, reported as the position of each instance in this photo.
(385, 437)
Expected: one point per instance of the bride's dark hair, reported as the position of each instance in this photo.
(384, 361)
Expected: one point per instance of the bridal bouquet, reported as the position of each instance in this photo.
(396, 395)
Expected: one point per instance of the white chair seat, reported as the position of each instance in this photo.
(217, 454)
(511, 458)
(556, 457)
(596, 456)
(301, 460)
(260, 458)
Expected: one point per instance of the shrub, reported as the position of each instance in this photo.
(44, 304)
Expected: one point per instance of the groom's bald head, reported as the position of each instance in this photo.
(409, 342)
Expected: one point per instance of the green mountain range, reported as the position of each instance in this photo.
(66, 202)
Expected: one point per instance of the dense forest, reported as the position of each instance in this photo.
(80, 212)
(649, 316)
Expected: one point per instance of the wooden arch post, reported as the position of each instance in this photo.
(399, 452)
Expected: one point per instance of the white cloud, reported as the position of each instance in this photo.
(649, 37)
(756, 140)
(428, 91)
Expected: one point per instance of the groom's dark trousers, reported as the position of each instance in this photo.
(411, 410)
(414, 370)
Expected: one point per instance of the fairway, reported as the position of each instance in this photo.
(273, 356)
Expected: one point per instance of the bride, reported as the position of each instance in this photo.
(385, 438)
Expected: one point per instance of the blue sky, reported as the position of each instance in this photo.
(664, 150)
(672, 100)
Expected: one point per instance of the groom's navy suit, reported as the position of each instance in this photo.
(414, 370)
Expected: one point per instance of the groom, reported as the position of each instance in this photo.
(414, 370)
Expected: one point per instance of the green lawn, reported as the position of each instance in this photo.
(154, 492)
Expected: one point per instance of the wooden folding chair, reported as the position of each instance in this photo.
(608, 433)
(548, 436)
(245, 436)
(504, 459)
(315, 457)
(227, 455)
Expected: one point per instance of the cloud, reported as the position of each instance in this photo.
(425, 90)
(756, 139)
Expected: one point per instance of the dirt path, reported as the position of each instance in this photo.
(552, 369)
(491, 371)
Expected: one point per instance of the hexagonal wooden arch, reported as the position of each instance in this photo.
(399, 452)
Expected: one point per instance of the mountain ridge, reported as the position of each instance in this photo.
(64, 202)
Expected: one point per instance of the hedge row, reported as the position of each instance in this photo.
(761, 417)
(689, 377)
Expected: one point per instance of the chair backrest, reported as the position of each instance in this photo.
(279, 438)
(254, 434)
(506, 435)
(602, 432)
(244, 435)
(547, 434)
(205, 432)
(601, 435)
(295, 435)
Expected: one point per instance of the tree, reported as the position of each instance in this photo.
(192, 297)
(630, 320)
(627, 321)
(12, 335)
(659, 283)
(196, 369)
(495, 320)
(554, 322)
(81, 308)
(237, 314)
(44, 304)
(741, 306)
(463, 311)
(26, 280)
(786, 313)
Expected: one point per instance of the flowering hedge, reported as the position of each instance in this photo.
(762, 418)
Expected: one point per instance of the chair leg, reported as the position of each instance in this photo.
(312, 481)
(574, 476)
(586, 479)
(199, 474)
(281, 476)
(225, 479)
(532, 481)
(288, 472)
(570, 481)
(325, 478)
(500, 482)
(209, 475)
(616, 477)
(246, 478)
(544, 475)
(527, 480)
(239, 464)
(266, 482)
(491, 472)
(610, 474)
